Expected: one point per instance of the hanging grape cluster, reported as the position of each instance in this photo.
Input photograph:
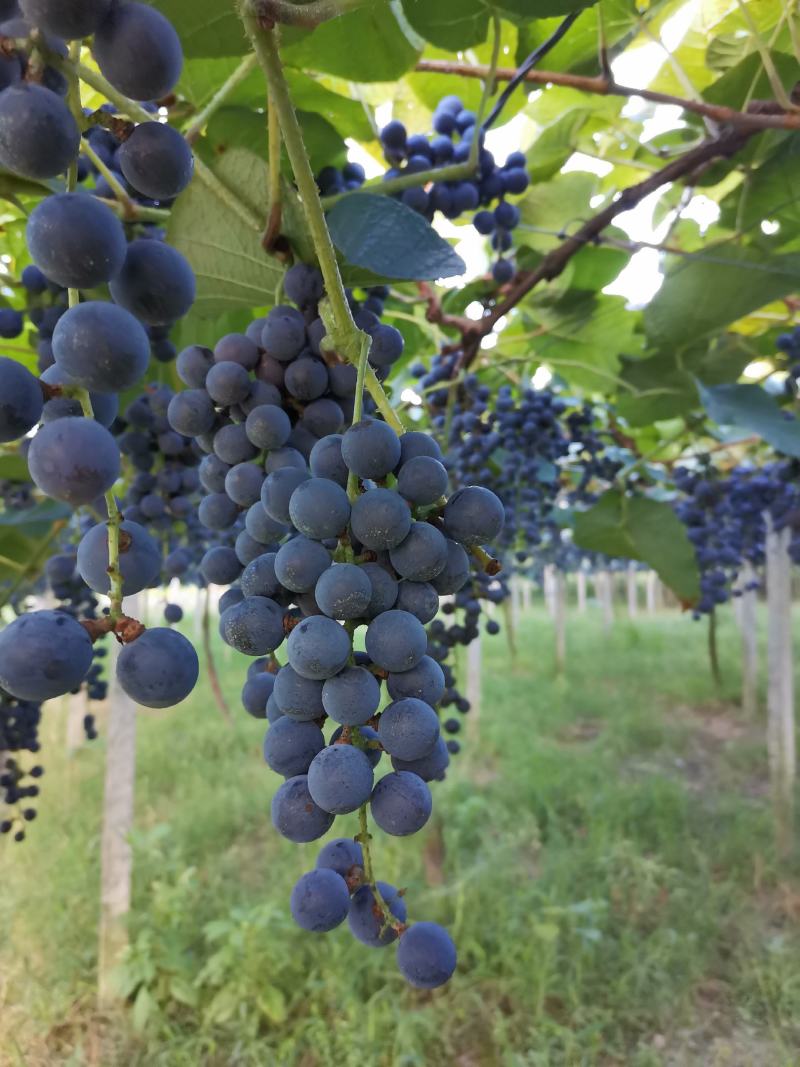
(90, 348)
(454, 129)
(340, 528)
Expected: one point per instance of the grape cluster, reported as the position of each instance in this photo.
(454, 130)
(19, 731)
(98, 347)
(725, 517)
(533, 449)
(151, 162)
(343, 529)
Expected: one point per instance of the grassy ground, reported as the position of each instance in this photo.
(601, 853)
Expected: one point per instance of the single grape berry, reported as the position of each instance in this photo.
(256, 691)
(298, 697)
(43, 654)
(380, 519)
(343, 591)
(156, 161)
(318, 647)
(365, 919)
(371, 449)
(429, 767)
(284, 333)
(139, 558)
(319, 508)
(102, 347)
(473, 516)
(21, 400)
(396, 640)
(426, 955)
(320, 900)
(78, 242)
(408, 728)
(352, 696)
(300, 562)
(74, 460)
(155, 283)
(342, 855)
(421, 555)
(138, 50)
(425, 681)
(294, 813)
(340, 779)
(39, 138)
(158, 669)
(254, 626)
(79, 18)
(290, 746)
(401, 803)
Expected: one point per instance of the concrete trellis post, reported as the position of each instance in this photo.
(604, 587)
(651, 592)
(515, 600)
(549, 588)
(77, 709)
(580, 579)
(197, 619)
(560, 619)
(473, 692)
(116, 858)
(632, 590)
(780, 687)
(748, 603)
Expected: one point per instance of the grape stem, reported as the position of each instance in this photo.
(82, 395)
(200, 121)
(273, 227)
(358, 409)
(114, 520)
(346, 337)
(137, 213)
(364, 837)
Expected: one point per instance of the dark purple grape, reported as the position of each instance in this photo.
(158, 669)
(138, 50)
(78, 242)
(156, 161)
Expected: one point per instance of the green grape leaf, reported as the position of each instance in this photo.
(367, 45)
(388, 238)
(749, 407)
(231, 267)
(35, 521)
(14, 468)
(450, 24)
(206, 27)
(642, 529)
(711, 290)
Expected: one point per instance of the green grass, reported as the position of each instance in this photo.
(601, 853)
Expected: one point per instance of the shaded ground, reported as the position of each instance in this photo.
(602, 853)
